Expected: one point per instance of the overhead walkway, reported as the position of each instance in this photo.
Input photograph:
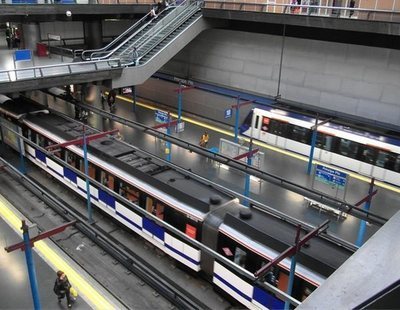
(369, 279)
(129, 60)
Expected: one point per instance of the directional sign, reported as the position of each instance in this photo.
(330, 176)
(161, 116)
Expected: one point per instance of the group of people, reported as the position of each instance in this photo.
(13, 37)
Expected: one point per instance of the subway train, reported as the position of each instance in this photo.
(366, 153)
(248, 237)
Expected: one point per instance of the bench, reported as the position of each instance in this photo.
(324, 208)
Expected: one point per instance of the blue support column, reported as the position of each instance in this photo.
(168, 144)
(291, 279)
(179, 102)
(31, 267)
(247, 180)
(293, 266)
(363, 224)
(313, 141)
(237, 120)
(134, 98)
(89, 204)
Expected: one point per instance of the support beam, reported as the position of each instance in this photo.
(43, 235)
(80, 141)
(247, 154)
(292, 250)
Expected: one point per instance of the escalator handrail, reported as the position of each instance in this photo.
(181, 21)
(108, 53)
(116, 39)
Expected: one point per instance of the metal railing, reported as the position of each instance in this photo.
(61, 2)
(378, 13)
(13, 75)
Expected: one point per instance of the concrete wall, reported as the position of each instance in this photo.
(74, 29)
(357, 80)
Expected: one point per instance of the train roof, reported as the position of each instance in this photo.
(149, 169)
(322, 256)
(19, 107)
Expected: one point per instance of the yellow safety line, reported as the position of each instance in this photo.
(270, 147)
(57, 262)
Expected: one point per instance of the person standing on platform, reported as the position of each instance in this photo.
(352, 4)
(8, 37)
(111, 99)
(62, 287)
(204, 139)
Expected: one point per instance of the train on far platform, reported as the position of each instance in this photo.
(364, 152)
(145, 188)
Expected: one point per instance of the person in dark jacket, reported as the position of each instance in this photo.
(111, 99)
(62, 287)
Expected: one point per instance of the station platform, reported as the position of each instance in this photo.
(278, 162)
(15, 289)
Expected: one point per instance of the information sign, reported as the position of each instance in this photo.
(228, 113)
(180, 127)
(23, 55)
(330, 176)
(161, 116)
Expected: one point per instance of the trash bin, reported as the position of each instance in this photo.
(41, 50)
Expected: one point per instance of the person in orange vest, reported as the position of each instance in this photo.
(204, 139)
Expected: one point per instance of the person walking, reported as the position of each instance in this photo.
(62, 288)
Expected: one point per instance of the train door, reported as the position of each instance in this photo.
(255, 126)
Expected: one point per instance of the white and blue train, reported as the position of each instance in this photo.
(364, 152)
(206, 214)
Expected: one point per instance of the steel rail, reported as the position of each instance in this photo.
(156, 279)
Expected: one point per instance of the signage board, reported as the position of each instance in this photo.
(228, 113)
(180, 127)
(330, 176)
(161, 116)
(54, 37)
(23, 55)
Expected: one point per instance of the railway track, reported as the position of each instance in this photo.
(121, 253)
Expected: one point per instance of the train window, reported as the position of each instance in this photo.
(382, 159)
(33, 137)
(265, 123)
(324, 141)
(276, 127)
(348, 148)
(240, 257)
(396, 166)
(256, 123)
(299, 134)
(368, 155)
(42, 141)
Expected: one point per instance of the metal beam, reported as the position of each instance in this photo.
(242, 104)
(80, 141)
(41, 236)
(292, 250)
(247, 154)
